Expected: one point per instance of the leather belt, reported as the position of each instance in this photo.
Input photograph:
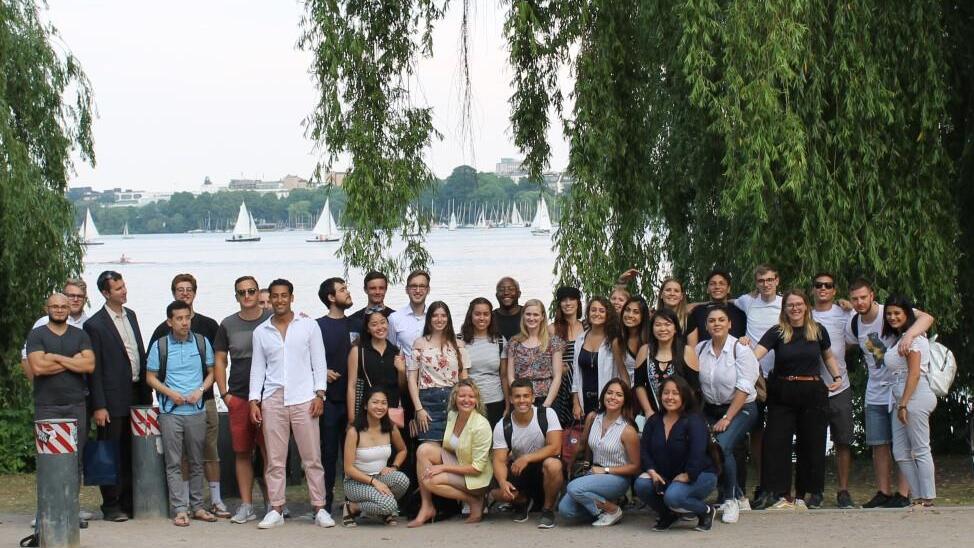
(791, 378)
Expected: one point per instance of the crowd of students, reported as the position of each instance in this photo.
(612, 396)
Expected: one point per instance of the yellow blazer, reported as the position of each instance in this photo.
(474, 449)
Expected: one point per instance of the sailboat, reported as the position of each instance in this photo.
(125, 232)
(325, 229)
(246, 229)
(453, 221)
(88, 232)
(542, 221)
(482, 219)
(516, 220)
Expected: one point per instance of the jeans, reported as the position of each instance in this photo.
(681, 498)
(582, 494)
(333, 422)
(729, 440)
(184, 435)
(911, 441)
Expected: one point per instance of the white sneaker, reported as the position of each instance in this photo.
(743, 504)
(465, 510)
(271, 520)
(731, 511)
(323, 519)
(783, 504)
(800, 505)
(606, 518)
(244, 514)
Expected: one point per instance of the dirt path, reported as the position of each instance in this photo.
(855, 528)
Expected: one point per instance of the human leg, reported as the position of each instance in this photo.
(277, 434)
(333, 422)
(194, 442)
(690, 498)
(171, 428)
(812, 427)
(305, 429)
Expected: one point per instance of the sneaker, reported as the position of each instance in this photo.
(608, 518)
(245, 513)
(762, 500)
(271, 519)
(731, 511)
(547, 520)
(783, 504)
(85, 515)
(285, 513)
(706, 520)
(665, 521)
(219, 509)
(465, 510)
(814, 501)
(522, 511)
(879, 500)
(800, 505)
(323, 519)
(743, 505)
(117, 516)
(844, 500)
(897, 501)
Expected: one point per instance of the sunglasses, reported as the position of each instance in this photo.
(823, 285)
(249, 291)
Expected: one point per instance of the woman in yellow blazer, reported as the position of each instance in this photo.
(460, 469)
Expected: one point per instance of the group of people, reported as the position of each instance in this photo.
(613, 395)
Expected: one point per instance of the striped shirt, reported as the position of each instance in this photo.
(607, 450)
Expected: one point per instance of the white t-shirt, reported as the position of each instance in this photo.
(525, 439)
(761, 316)
(836, 322)
(897, 366)
(874, 350)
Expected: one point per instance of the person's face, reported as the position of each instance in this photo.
(343, 299)
(179, 323)
(376, 290)
(596, 313)
(466, 399)
(523, 399)
(481, 317)
(417, 289)
(378, 326)
(895, 316)
(795, 310)
(264, 300)
(377, 406)
(718, 288)
(439, 320)
(184, 292)
(117, 294)
(247, 294)
(76, 298)
(618, 300)
(672, 294)
(671, 399)
(718, 324)
(862, 299)
(507, 293)
(767, 283)
(569, 307)
(58, 309)
(281, 299)
(632, 315)
(663, 329)
(532, 316)
(614, 397)
(823, 287)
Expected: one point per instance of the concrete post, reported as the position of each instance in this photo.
(57, 482)
(149, 493)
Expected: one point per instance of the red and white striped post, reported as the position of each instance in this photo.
(58, 483)
(150, 498)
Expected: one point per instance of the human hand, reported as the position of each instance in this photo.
(255, 415)
(903, 415)
(722, 424)
(422, 420)
(101, 417)
(519, 465)
(333, 375)
(381, 487)
(682, 478)
(508, 491)
(317, 407)
(906, 341)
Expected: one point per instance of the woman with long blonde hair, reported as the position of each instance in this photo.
(673, 298)
(535, 355)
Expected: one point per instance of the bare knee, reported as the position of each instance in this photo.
(552, 467)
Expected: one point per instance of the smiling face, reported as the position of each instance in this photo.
(522, 398)
(767, 283)
(895, 316)
(795, 310)
(823, 287)
(281, 299)
(614, 397)
(417, 288)
(718, 323)
(481, 317)
(532, 317)
(184, 292)
(378, 326)
(671, 398)
(466, 399)
(672, 294)
(507, 293)
(376, 290)
(439, 319)
(618, 299)
(377, 406)
(569, 307)
(632, 315)
(596, 314)
(663, 329)
(718, 287)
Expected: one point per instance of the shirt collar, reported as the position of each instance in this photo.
(729, 343)
(112, 313)
(174, 340)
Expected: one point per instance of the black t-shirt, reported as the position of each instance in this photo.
(380, 370)
(335, 335)
(508, 325)
(799, 356)
(737, 317)
(357, 320)
(66, 387)
(204, 325)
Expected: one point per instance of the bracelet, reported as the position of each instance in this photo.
(900, 407)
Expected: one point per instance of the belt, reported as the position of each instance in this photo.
(791, 378)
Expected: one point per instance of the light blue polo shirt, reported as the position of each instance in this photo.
(184, 372)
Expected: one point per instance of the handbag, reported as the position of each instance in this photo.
(396, 414)
(100, 461)
(569, 444)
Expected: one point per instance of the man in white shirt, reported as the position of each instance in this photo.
(287, 392)
(406, 324)
(76, 290)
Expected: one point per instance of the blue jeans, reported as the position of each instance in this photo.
(728, 439)
(582, 494)
(681, 498)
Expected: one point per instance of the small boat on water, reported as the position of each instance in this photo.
(88, 231)
(125, 232)
(542, 221)
(516, 220)
(325, 229)
(246, 229)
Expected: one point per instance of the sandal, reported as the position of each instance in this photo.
(348, 518)
(392, 520)
(203, 515)
(181, 520)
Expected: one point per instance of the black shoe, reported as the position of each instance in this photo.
(879, 500)
(547, 519)
(117, 516)
(665, 521)
(762, 500)
(82, 524)
(706, 520)
(844, 500)
(30, 541)
(522, 511)
(897, 501)
(813, 501)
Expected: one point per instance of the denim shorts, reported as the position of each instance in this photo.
(879, 426)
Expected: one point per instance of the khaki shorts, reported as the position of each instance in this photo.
(210, 452)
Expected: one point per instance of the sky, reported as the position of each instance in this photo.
(217, 88)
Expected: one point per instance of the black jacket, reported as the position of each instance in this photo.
(110, 385)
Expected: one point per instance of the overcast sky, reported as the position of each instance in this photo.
(188, 89)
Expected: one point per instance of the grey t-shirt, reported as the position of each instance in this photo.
(485, 367)
(66, 387)
(236, 337)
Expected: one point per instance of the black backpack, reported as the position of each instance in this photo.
(508, 425)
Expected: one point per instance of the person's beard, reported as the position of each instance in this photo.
(56, 321)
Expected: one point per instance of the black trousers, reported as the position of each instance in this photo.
(333, 422)
(119, 496)
(796, 409)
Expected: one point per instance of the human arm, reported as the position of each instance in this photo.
(630, 442)
(912, 380)
(348, 460)
(620, 362)
(319, 361)
(463, 361)
(42, 365)
(258, 372)
(920, 326)
(195, 395)
(422, 416)
(690, 358)
(693, 337)
(557, 372)
(352, 369)
(499, 457)
(152, 380)
(833, 366)
(220, 374)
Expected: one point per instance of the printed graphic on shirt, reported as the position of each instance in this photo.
(875, 346)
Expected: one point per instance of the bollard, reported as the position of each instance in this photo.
(150, 497)
(228, 466)
(57, 482)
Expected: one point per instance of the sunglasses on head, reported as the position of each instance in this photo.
(249, 291)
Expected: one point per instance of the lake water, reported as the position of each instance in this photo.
(466, 263)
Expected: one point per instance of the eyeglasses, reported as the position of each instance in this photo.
(75, 295)
(416, 287)
(249, 291)
(767, 280)
(794, 306)
(185, 290)
(823, 285)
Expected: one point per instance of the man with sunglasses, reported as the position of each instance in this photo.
(76, 291)
(183, 289)
(180, 388)
(234, 339)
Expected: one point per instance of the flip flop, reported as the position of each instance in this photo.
(181, 520)
(203, 515)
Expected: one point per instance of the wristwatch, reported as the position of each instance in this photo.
(607, 469)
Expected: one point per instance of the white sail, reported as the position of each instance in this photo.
(453, 221)
(542, 221)
(88, 232)
(482, 219)
(245, 230)
(325, 229)
(516, 219)
(125, 232)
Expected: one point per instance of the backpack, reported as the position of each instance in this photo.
(164, 355)
(508, 425)
(943, 368)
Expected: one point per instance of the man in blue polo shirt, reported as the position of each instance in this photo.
(175, 371)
